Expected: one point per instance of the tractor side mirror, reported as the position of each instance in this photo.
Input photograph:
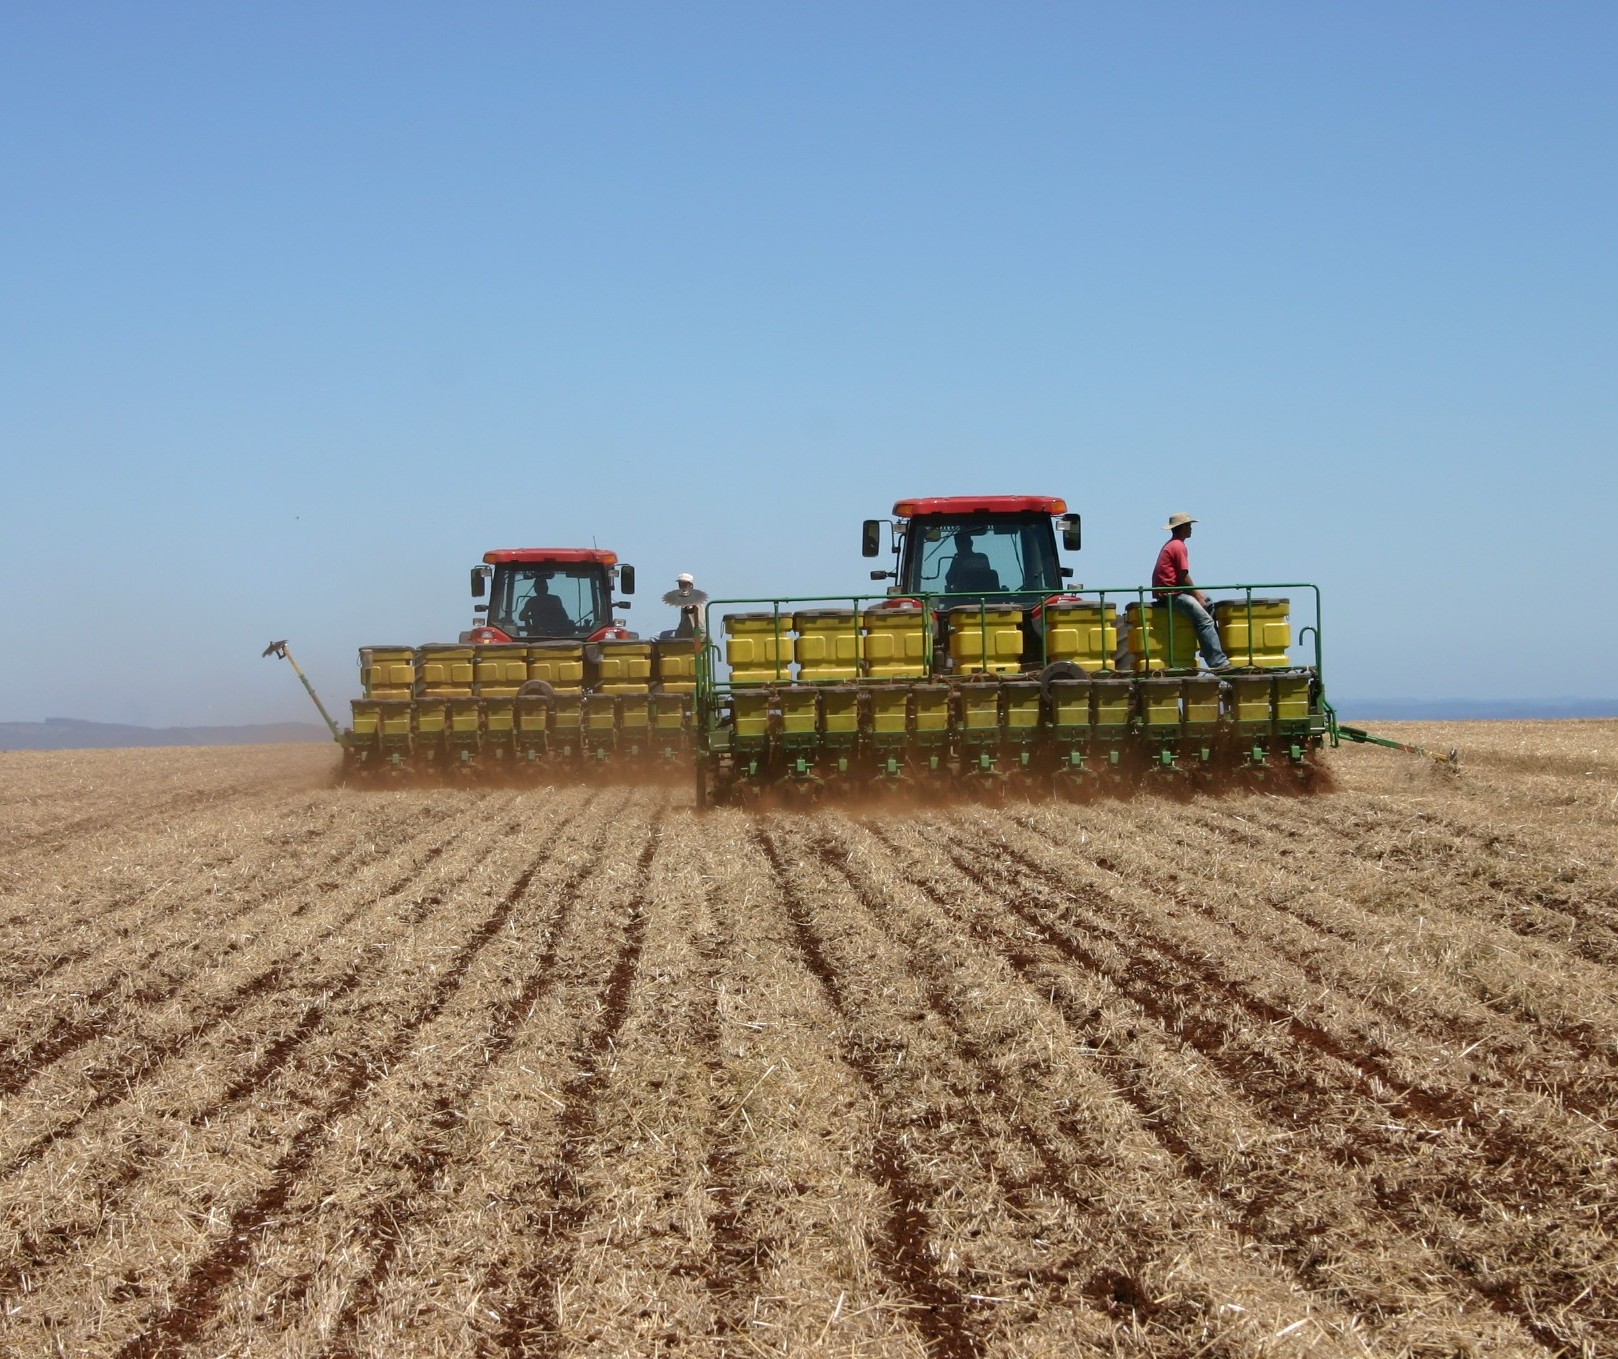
(1070, 532)
(477, 582)
(871, 538)
(626, 580)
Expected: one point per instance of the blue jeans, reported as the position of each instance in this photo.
(1213, 654)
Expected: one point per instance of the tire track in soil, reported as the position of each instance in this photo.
(17, 1068)
(942, 1313)
(195, 1299)
(1514, 1055)
(534, 1329)
(1151, 985)
(389, 1221)
(112, 1187)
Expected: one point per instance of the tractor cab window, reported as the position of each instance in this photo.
(548, 600)
(982, 557)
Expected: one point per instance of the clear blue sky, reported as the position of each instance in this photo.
(304, 306)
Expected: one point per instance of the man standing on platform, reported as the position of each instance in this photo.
(1171, 584)
(689, 601)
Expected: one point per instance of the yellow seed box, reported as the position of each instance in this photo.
(1172, 637)
(387, 671)
(895, 642)
(758, 648)
(828, 644)
(1255, 633)
(986, 637)
(1084, 633)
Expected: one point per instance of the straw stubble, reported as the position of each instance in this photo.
(293, 1069)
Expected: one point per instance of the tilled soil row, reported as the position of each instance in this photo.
(1488, 870)
(532, 1320)
(793, 1245)
(177, 946)
(581, 1214)
(239, 1062)
(1188, 1093)
(1355, 1099)
(414, 1138)
(106, 890)
(1059, 1145)
(221, 841)
(1342, 1036)
(1343, 951)
(906, 1253)
(267, 1016)
(91, 903)
(308, 1061)
(235, 1275)
(1533, 1015)
(119, 1041)
(730, 1269)
(58, 828)
(566, 1072)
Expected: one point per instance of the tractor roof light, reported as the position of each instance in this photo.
(538, 556)
(957, 505)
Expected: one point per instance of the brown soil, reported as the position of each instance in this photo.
(294, 1069)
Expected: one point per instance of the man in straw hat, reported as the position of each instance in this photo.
(1171, 583)
(689, 601)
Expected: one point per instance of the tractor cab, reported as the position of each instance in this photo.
(549, 593)
(998, 549)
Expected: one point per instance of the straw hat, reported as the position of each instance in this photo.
(1175, 520)
(687, 593)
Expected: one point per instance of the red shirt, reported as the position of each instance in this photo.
(1173, 565)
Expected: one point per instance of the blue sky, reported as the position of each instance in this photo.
(304, 306)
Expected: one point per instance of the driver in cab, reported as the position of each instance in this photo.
(970, 571)
(544, 615)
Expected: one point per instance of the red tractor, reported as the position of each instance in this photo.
(548, 594)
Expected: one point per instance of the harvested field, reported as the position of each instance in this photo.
(291, 1069)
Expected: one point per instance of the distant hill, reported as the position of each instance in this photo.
(69, 733)
(1470, 709)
